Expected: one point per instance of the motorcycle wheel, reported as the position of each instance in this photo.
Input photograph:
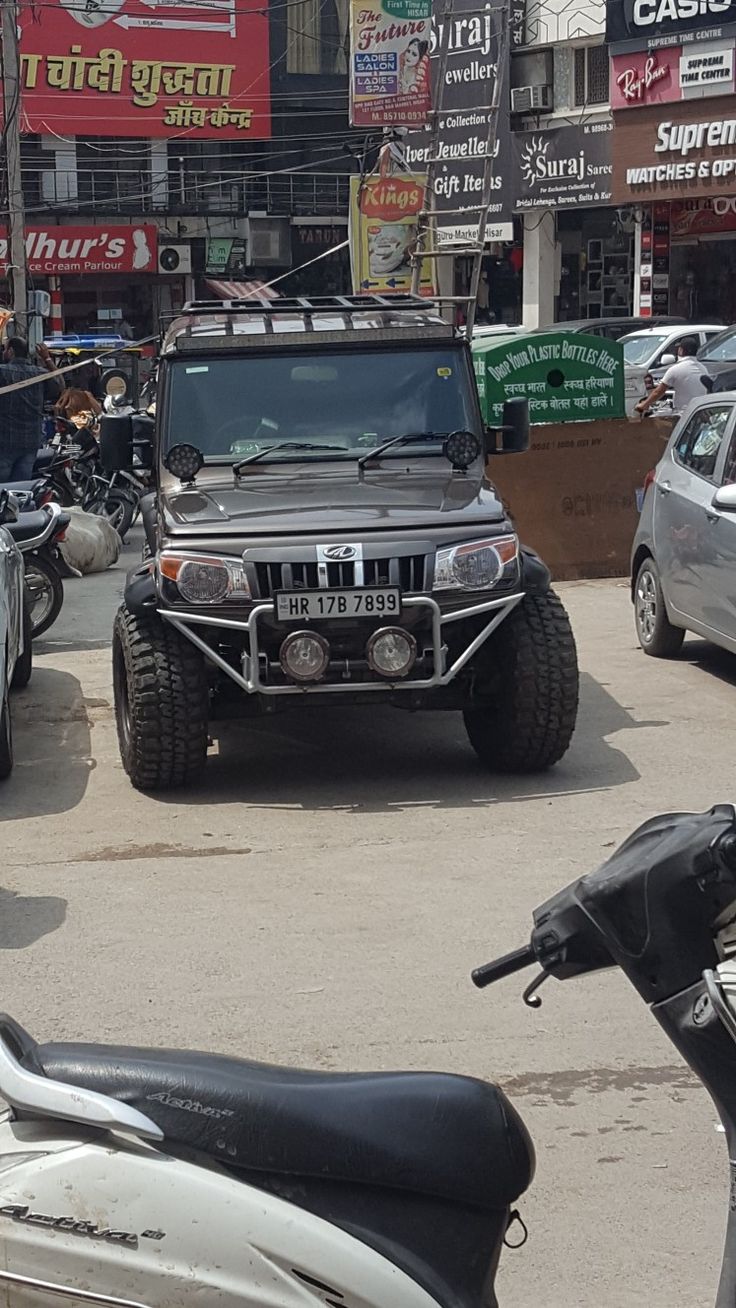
(118, 508)
(45, 592)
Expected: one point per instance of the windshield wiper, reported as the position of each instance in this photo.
(283, 445)
(399, 440)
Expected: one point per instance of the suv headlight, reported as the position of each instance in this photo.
(205, 578)
(476, 565)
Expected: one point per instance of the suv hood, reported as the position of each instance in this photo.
(301, 503)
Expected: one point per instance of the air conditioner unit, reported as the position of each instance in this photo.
(174, 260)
(265, 244)
(532, 99)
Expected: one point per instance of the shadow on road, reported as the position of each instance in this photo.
(711, 658)
(51, 737)
(24, 919)
(379, 758)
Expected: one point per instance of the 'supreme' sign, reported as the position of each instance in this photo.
(54, 251)
(672, 154)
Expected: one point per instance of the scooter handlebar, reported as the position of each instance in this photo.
(516, 961)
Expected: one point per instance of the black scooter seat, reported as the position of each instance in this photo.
(27, 526)
(435, 1134)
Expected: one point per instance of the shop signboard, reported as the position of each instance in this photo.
(54, 251)
(146, 68)
(473, 42)
(389, 62)
(654, 20)
(690, 219)
(384, 211)
(645, 77)
(566, 377)
(687, 150)
(564, 166)
(707, 69)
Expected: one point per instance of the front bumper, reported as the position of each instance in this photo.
(442, 672)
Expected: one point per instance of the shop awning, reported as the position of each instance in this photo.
(241, 290)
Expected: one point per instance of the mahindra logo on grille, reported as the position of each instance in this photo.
(340, 553)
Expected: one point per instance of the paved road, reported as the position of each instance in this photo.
(323, 895)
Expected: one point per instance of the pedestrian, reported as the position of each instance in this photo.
(21, 412)
(684, 379)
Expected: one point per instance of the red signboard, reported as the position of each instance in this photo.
(76, 250)
(146, 68)
(692, 218)
(645, 77)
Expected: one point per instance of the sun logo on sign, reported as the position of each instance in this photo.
(535, 149)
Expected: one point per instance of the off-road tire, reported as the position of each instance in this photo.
(528, 725)
(6, 738)
(161, 702)
(654, 631)
(24, 665)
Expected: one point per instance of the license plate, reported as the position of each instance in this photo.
(316, 605)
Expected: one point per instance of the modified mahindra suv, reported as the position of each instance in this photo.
(323, 528)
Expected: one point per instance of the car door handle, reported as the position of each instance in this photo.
(711, 516)
(664, 487)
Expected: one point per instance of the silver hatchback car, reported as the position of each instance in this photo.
(683, 563)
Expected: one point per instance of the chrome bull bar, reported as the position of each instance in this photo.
(250, 679)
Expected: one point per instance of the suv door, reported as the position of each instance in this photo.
(684, 487)
(718, 564)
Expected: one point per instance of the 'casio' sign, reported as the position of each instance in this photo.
(636, 17)
(647, 13)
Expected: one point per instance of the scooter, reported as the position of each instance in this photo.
(37, 534)
(142, 1178)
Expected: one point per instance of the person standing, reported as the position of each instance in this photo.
(684, 379)
(21, 412)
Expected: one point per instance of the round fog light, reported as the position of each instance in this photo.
(304, 656)
(391, 652)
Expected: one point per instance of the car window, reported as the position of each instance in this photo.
(638, 349)
(722, 348)
(699, 444)
(729, 471)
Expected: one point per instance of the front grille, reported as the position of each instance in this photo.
(407, 572)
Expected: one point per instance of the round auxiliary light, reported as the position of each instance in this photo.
(391, 652)
(184, 461)
(462, 448)
(304, 656)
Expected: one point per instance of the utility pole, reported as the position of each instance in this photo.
(11, 142)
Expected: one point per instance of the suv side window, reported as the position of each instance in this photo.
(699, 445)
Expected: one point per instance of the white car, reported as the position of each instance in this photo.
(649, 353)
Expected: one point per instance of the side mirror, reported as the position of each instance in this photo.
(708, 382)
(116, 443)
(144, 427)
(667, 360)
(725, 499)
(4, 499)
(514, 428)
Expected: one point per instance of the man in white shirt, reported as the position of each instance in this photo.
(684, 379)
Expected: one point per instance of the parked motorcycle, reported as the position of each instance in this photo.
(149, 1178)
(37, 534)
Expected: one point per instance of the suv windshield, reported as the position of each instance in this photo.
(233, 407)
(637, 349)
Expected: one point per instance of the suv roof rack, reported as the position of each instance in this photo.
(258, 304)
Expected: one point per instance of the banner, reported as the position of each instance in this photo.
(565, 378)
(52, 251)
(565, 166)
(383, 232)
(473, 70)
(147, 68)
(389, 62)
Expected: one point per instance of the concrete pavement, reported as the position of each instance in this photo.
(322, 896)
